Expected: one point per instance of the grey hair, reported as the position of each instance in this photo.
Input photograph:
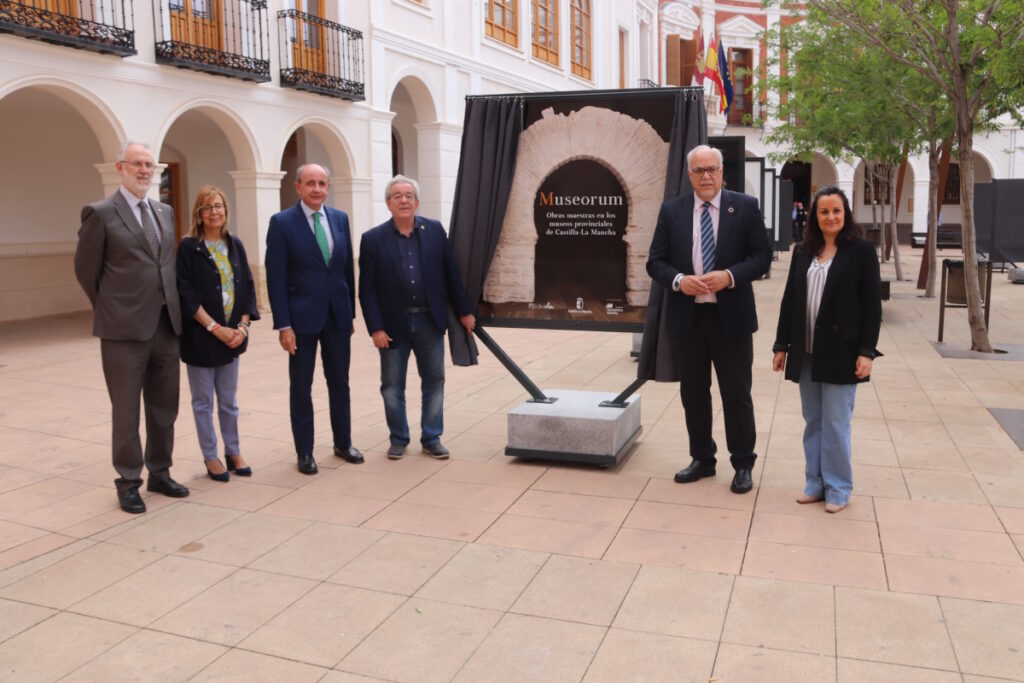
(401, 180)
(128, 143)
(700, 149)
(303, 167)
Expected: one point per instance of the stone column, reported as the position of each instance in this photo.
(111, 180)
(257, 198)
(353, 196)
(920, 221)
(380, 162)
(438, 148)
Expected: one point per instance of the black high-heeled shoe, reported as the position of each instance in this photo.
(222, 476)
(240, 471)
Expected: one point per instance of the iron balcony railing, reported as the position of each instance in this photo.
(320, 56)
(646, 83)
(225, 37)
(106, 26)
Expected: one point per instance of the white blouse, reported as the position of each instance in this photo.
(816, 276)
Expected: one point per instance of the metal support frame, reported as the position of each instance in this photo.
(537, 396)
(620, 400)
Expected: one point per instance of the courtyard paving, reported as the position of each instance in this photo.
(483, 568)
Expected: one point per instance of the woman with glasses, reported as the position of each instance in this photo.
(216, 289)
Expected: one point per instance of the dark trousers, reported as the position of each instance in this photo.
(335, 346)
(150, 368)
(705, 346)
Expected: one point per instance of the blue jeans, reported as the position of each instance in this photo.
(828, 411)
(427, 343)
(204, 383)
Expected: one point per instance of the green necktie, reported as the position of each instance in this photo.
(321, 237)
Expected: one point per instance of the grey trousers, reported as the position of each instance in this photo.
(150, 368)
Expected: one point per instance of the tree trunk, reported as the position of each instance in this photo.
(893, 211)
(933, 218)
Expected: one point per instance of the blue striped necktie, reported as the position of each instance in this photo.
(707, 238)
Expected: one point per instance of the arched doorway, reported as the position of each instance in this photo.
(419, 154)
(316, 142)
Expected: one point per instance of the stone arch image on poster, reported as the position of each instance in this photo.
(627, 147)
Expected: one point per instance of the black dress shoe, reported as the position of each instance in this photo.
(396, 451)
(741, 481)
(698, 469)
(167, 486)
(307, 465)
(435, 450)
(130, 500)
(350, 454)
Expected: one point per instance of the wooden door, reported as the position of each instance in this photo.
(308, 41)
(196, 22)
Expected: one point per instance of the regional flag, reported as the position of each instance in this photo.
(699, 63)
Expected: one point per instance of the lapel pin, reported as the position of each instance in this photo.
(731, 210)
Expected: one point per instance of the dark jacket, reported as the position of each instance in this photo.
(849, 317)
(742, 248)
(199, 285)
(302, 288)
(382, 294)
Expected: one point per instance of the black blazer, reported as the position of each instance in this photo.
(199, 285)
(382, 294)
(742, 248)
(849, 317)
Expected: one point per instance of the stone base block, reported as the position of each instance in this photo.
(575, 428)
(638, 339)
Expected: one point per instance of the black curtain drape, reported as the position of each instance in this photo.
(659, 358)
(490, 141)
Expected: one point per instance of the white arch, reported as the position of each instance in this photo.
(238, 134)
(104, 124)
(982, 152)
(420, 88)
(339, 152)
(678, 18)
(831, 164)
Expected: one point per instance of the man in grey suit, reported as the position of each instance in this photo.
(125, 264)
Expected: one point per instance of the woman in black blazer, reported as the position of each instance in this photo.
(833, 283)
(218, 303)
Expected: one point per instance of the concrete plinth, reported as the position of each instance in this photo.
(575, 428)
(638, 339)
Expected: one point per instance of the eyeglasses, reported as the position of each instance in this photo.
(404, 195)
(148, 165)
(705, 170)
(206, 208)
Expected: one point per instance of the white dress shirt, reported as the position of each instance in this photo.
(323, 221)
(133, 204)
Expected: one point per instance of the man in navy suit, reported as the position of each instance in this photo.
(407, 277)
(708, 248)
(311, 285)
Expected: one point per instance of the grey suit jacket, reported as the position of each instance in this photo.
(121, 275)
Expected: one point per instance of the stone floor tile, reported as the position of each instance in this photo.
(651, 657)
(572, 507)
(153, 591)
(429, 520)
(462, 495)
(66, 582)
(1002, 490)
(950, 544)
(16, 617)
(986, 636)
(936, 514)
(239, 666)
(324, 625)
(230, 610)
(549, 536)
(951, 487)
(824, 531)
(345, 677)
(857, 671)
(577, 589)
(892, 627)
(397, 563)
(175, 527)
(705, 493)
(995, 461)
(68, 641)
(484, 576)
(244, 539)
(590, 482)
(519, 649)
(688, 519)
(63, 513)
(240, 494)
(930, 456)
(324, 506)
(28, 558)
(20, 501)
(781, 615)
(317, 551)
(914, 431)
(743, 664)
(876, 481)
(154, 656)
(676, 602)
(692, 551)
(955, 578)
(1012, 519)
(814, 565)
(442, 634)
(12, 534)
(351, 481)
(507, 472)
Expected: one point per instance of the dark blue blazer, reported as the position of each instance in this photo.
(382, 293)
(742, 248)
(302, 288)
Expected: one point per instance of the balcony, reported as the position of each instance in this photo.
(223, 37)
(320, 56)
(105, 26)
(646, 83)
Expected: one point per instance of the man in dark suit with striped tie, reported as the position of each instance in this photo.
(311, 285)
(708, 247)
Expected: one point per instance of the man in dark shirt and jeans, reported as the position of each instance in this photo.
(407, 277)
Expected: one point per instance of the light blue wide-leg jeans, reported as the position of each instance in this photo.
(828, 412)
